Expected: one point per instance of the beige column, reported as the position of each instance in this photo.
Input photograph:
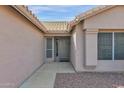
(91, 47)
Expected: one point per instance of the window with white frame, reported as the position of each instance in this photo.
(119, 46)
(110, 46)
(49, 48)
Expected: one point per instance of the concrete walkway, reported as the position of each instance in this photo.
(45, 76)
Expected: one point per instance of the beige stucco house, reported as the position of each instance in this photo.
(93, 41)
(97, 40)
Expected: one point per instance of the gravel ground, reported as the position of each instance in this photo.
(89, 80)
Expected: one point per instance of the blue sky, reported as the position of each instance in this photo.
(58, 12)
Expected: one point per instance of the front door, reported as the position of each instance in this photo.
(62, 49)
(57, 49)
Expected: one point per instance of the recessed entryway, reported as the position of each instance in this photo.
(58, 49)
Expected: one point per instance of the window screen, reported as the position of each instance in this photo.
(104, 46)
(49, 53)
(49, 48)
(119, 46)
(49, 43)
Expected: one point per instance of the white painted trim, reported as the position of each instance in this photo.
(113, 47)
(53, 47)
(57, 34)
(48, 59)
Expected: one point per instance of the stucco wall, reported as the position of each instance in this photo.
(73, 49)
(88, 61)
(91, 47)
(78, 47)
(21, 48)
(111, 19)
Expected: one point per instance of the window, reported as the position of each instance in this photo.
(49, 48)
(105, 46)
(119, 46)
(111, 46)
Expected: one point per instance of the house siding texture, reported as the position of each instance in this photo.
(112, 20)
(21, 48)
(73, 49)
(77, 47)
(22, 45)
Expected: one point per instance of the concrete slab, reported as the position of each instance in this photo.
(44, 77)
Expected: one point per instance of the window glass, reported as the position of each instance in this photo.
(49, 48)
(49, 43)
(104, 46)
(49, 53)
(119, 46)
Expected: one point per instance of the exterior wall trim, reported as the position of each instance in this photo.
(91, 30)
(111, 30)
(58, 34)
(91, 53)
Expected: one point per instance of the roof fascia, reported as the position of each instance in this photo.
(28, 15)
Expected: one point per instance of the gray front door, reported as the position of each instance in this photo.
(62, 51)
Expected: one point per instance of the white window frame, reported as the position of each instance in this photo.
(52, 58)
(113, 46)
(52, 49)
(112, 56)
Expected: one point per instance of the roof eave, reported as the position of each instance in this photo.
(86, 16)
(28, 15)
(80, 18)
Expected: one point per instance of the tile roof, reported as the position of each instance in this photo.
(94, 11)
(59, 26)
(90, 13)
(29, 15)
(56, 26)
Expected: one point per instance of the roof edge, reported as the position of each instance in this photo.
(30, 16)
(89, 13)
(52, 22)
